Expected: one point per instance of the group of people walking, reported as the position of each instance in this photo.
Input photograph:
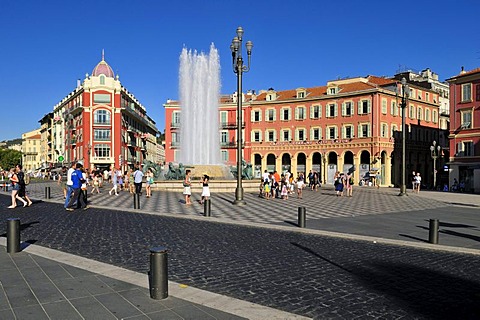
(16, 177)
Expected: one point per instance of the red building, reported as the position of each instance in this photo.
(330, 128)
(101, 123)
(465, 129)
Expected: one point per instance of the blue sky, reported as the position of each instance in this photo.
(47, 45)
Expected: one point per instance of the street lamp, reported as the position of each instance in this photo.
(239, 69)
(435, 153)
(405, 93)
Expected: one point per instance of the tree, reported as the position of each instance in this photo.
(9, 158)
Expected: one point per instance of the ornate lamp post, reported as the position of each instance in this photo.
(435, 153)
(239, 69)
(405, 93)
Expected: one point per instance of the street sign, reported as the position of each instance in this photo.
(61, 158)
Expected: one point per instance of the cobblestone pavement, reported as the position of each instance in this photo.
(306, 274)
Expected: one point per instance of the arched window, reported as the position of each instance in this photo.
(101, 117)
(102, 79)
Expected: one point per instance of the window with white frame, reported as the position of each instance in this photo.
(224, 118)
(101, 134)
(411, 112)
(466, 92)
(256, 116)
(394, 108)
(300, 134)
(434, 116)
(224, 155)
(427, 114)
(102, 150)
(315, 111)
(364, 130)
(256, 136)
(332, 132)
(384, 106)
(393, 130)
(384, 130)
(465, 149)
(300, 113)
(101, 117)
(331, 110)
(364, 106)
(175, 119)
(419, 113)
(285, 135)
(270, 115)
(270, 135)
(347, 109)
(285, 114)
(224, 137)
(466, 119)
(347, 131)
(315, 133)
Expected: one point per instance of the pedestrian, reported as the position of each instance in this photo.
(349, 184)
(131, 181)
(137, 180)
(120, 180)
(115, 182)
(284, 192)
(22, 192)
(14, 182)
(85, 183)
(69, 184)
(205, 188)
(300, 184)
(187, 183)
(62, 181)
(96, 184)
(418, 182)
(338, 184)
(77, 197)
(414, 181)
(149, 182)
(378, 179)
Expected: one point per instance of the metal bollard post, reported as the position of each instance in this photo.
(433, 231)
(47, 192)
(13, 235)
(302, 216)
(158, 274)
(135, 201)
(207, 208)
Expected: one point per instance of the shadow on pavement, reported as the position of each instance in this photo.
(412, 237)
(460, 234)
(428, 293)
(27, 243)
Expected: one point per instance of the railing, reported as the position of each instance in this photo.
(175, 125)
(102, 123)
(230, 125)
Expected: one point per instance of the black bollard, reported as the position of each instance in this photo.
(433, 231)
(136, 201)
(158, 275)
(13, 235)
(47, 192)
(207, 208)
(302, 216)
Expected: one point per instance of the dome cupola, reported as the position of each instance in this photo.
(103, 68)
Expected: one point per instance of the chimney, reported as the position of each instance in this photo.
(463, 70)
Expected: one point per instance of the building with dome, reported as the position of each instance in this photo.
(100, 124)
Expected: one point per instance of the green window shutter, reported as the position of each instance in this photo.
(274, 115)
(343, 109)
(335, 110)
(311, 111)
(252, 116)
(296, 113)
(369, 106)
(343, 132)
(360, 131)
(368, 132)
(359, 107)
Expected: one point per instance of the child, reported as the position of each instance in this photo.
(284, 192)
(96, 183)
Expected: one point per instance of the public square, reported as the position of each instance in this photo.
(364, 257)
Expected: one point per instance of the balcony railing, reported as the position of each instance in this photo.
(229, 145)
(102, 123)
(175, 125)
(230, 125)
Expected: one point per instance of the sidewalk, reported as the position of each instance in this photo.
(41, 283)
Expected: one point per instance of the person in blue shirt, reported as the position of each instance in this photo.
(77, 180)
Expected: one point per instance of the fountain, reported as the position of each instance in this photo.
(199, 97)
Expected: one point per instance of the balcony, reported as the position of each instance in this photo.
(131, 143)
(230, 125)
(229, 145)
(101, 123)
(175, 144)
(175, 125)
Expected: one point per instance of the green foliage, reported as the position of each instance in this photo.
(9, 158)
